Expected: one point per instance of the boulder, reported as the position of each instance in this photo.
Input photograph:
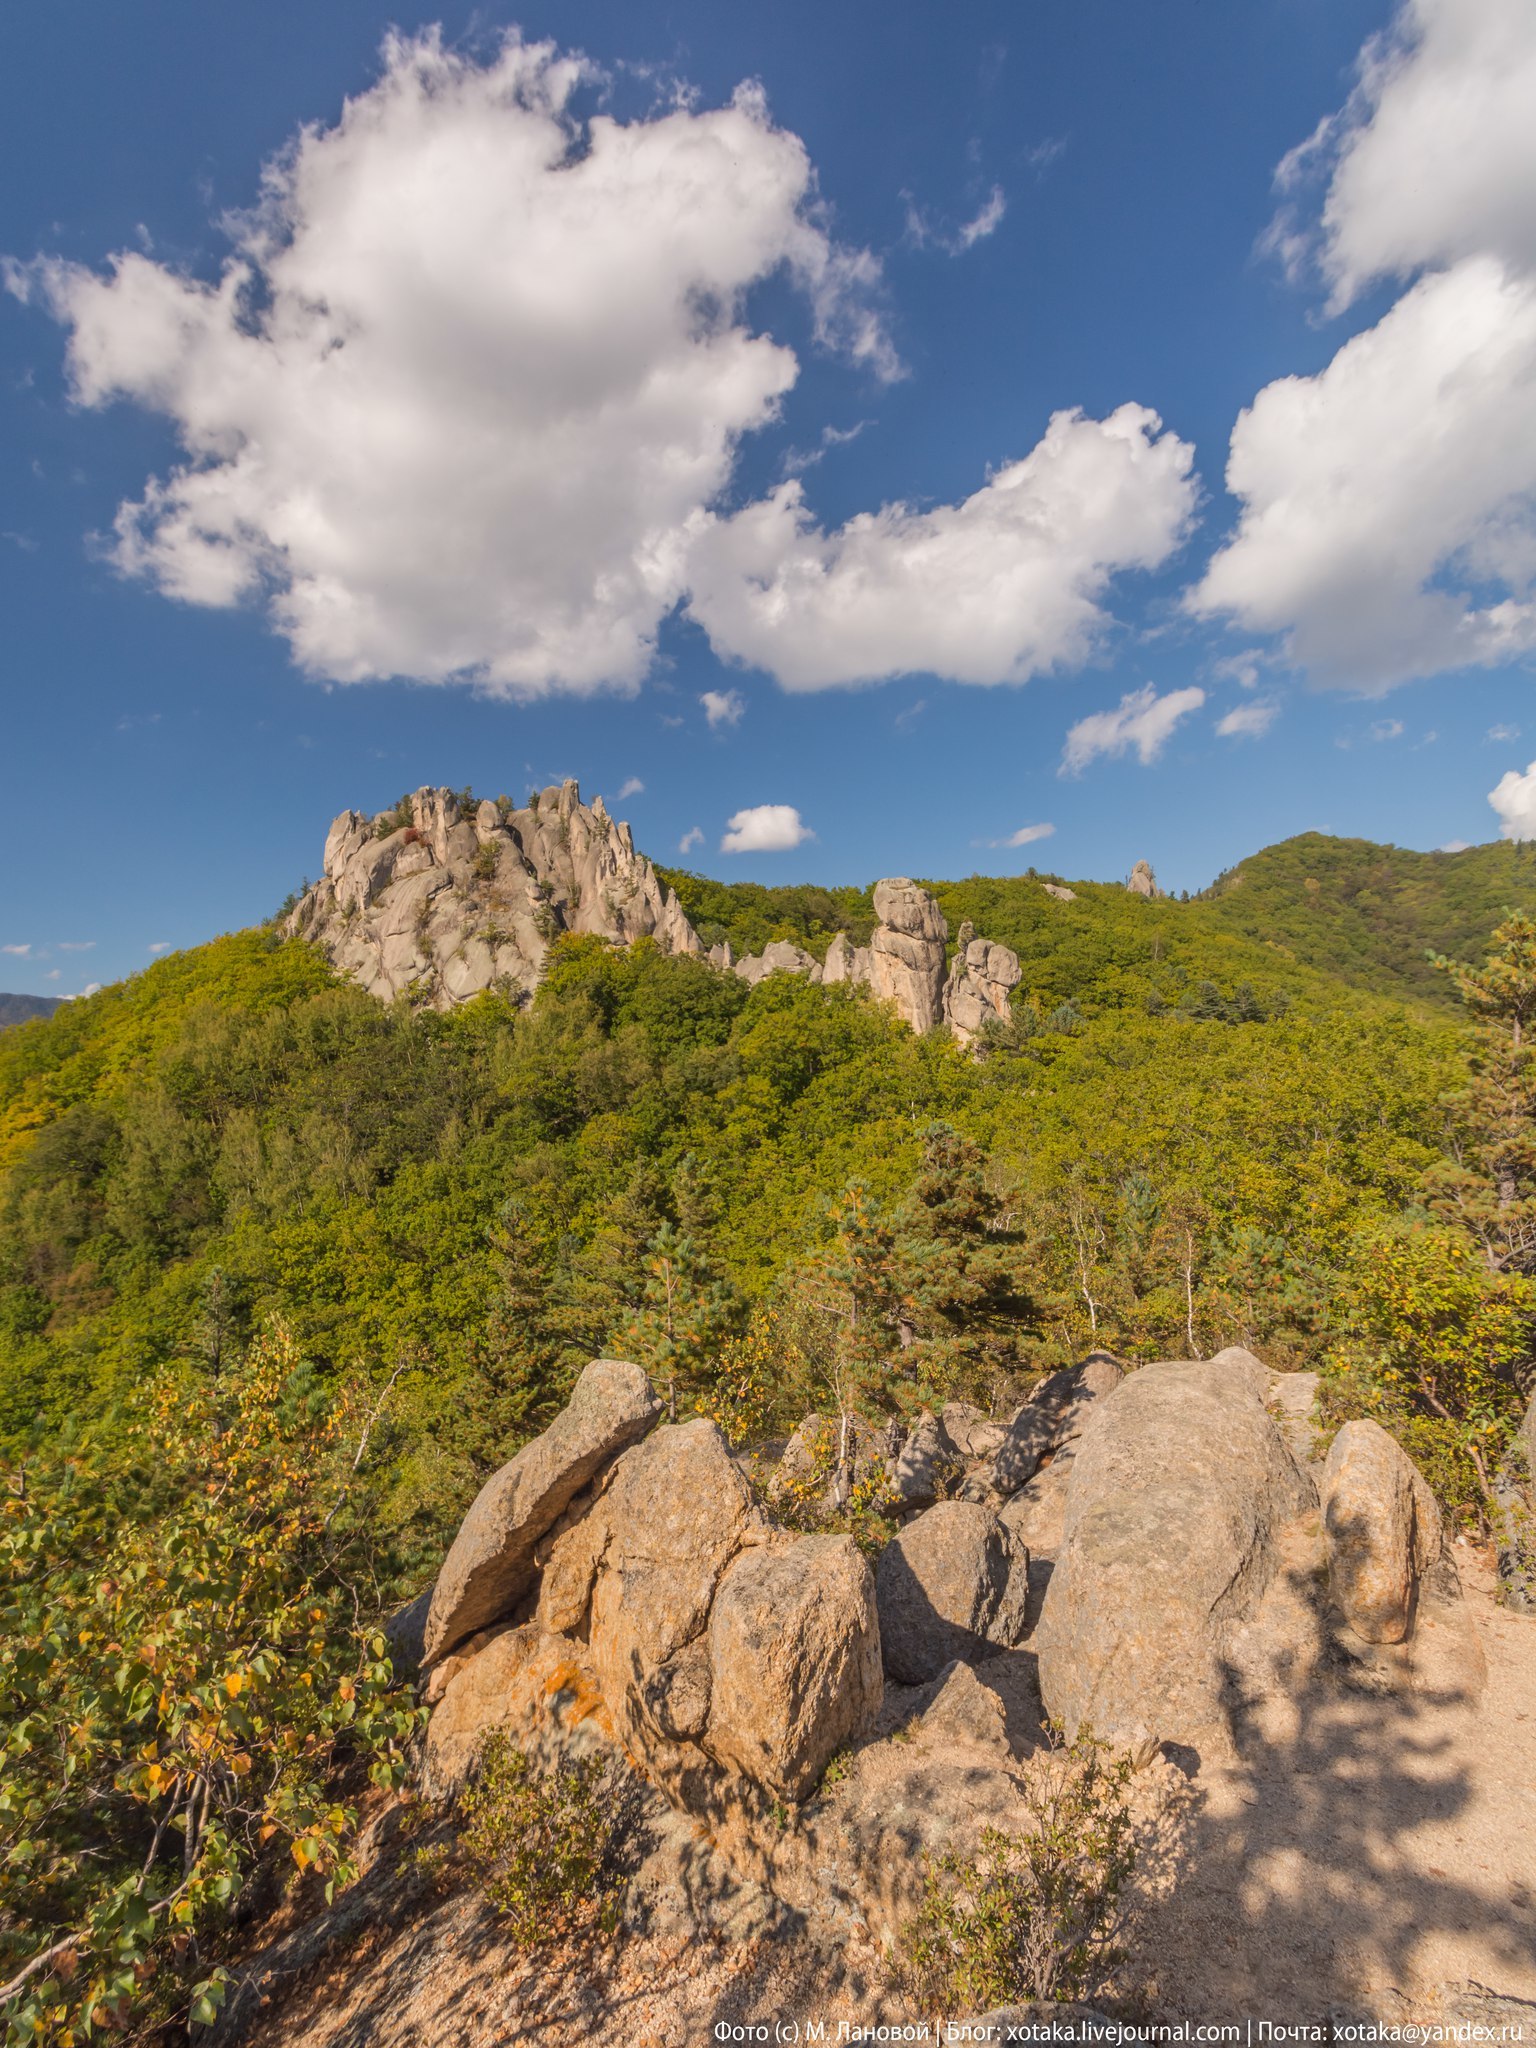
(907, 952)
(965, 1714)
(982, 976)
(972, 1432)
(1055, 1414)
(952, 1585)
(926, 1466)
(1059, 892)
(1382, 1529)
(1037, 1513)
(1179, 1498)
(491, 1563)
(794, 1662)
(781, 956)
(723, 1645)
(1142, 881)
(405, 1633)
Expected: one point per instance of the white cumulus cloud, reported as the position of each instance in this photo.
(1248, 721)
(723, 708)
(1388, 528)
(1514, 799)
(691, 838)
(986, 221)
(472, 374)
(765, 828)
(630, 786)
(1142, 722)
(993, 590)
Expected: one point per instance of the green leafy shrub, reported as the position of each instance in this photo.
(541, 1843)
(184, 1684)
(1037, 1914)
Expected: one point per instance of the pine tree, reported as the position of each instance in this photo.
(518, 1377)
(597, 1286)
(686, 1316)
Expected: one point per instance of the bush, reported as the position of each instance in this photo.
(542, 1844)
(1035, 1915)
(184, 1684)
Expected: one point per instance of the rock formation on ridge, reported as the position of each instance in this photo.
(447, 904)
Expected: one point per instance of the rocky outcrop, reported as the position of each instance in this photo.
(907, 952)
(491, 1563)
(1179, 1497)
(1382, 1529)
(1054, 1416)
(781, 956)
(954, 1584)
(442, 904)
(982, 976)
(1060, 892)
(1142, 881)
(926, 1466)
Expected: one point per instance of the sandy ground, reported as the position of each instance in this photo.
(1387, 1850)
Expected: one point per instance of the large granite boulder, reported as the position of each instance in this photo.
(1382, 1529)
(724, 1645)
(491, 1563)
(954, 1584)
(1055, 1415)
(907, 952)
(1181, 1493)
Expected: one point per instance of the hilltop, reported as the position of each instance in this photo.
(22, 1009)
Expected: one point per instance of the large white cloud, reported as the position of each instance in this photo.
(1388, 524)
(765, 828)
(997, 588)
(1514, 798)
(472, 373)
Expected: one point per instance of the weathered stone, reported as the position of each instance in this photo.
(522, 1680)
(982, 976)
(907, 952)
(838, 965)
(490, 1565)
(778, 957)
(926, 1466)
(951, 1584)
(964, 1713)
(1179, 1492)
(448, 906)
(406, 1634)
(1382, 1528)
(1061, 894)
(970, 1429)
(1142, 881)
(1055, 1414)
(1037, 1513)
(794, 1661)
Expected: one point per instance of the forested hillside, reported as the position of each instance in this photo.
(22, 1009)
(286, 1273)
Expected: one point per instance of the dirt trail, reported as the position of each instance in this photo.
(1384, 1852)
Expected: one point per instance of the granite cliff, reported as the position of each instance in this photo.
(438, 900)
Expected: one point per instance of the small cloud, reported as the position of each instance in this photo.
(1044, 154)
(17, 952)
(161, 946)
(691, 838)
(669, 718)
(1501, 735)
(798, 460)
(1514, 799)
(1025, 836)
(1243, 668)
(131, 719)
(630, 786)
(24, 541)
(1247, 721)
(91, 988)
(1142, 720)
(53, 974)
(986, 222)
(76, 945)
(905, 720)
(723, 708)
(1386, 729)
(765, 828)
(1454, 846)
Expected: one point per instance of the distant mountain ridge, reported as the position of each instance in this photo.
(22, 1009)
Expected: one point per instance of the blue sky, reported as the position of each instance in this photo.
(817, 419)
